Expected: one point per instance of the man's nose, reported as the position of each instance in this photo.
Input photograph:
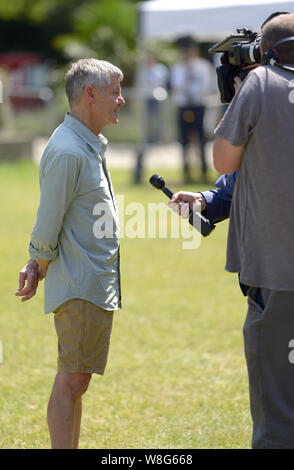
(121, 100)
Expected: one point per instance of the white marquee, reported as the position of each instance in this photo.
(205, 19)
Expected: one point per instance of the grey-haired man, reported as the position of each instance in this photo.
(80, 264)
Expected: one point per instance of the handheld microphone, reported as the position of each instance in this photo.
(196, 219)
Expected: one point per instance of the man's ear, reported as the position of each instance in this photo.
(89, 93)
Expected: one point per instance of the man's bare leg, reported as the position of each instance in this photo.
(77, 422)
(64, 409)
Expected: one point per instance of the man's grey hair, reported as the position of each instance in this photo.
(98, 73)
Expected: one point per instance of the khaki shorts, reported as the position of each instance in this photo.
(83, 330)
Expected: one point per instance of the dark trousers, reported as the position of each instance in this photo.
(269, 350)
(190, 120)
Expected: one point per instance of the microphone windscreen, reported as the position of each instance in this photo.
(157, 181)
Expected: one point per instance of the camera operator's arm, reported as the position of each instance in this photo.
(238, 125)
(227, 157)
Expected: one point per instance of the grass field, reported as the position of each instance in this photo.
(176, 376)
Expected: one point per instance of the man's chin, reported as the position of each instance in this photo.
(114, 120)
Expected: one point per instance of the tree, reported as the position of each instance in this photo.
(105, 29)
(70, 29)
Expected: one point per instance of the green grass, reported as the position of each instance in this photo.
(176, 376)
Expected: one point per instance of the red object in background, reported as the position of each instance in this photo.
(14, 60)
(23, 95)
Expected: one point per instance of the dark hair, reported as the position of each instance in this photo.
(186, 42)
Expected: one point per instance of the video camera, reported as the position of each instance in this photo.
(240, 52)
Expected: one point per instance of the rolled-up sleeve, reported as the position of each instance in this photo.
(58, 185)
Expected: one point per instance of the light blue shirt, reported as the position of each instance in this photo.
(77, 220)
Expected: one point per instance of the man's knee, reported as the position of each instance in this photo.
(76, 383)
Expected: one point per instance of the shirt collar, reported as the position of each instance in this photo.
(97, 142)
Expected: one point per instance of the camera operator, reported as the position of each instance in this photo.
(256, 137)
(257, 133)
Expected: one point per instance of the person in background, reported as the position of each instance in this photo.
(191, 80)
(154, 82)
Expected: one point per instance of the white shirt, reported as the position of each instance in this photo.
(191, 83)
(153, 76)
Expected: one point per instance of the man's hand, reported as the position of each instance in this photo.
(184, 201)
(237, 83)
(31, 273)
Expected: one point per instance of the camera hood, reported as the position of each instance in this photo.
(242, 35)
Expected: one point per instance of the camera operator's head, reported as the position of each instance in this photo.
(278, 28)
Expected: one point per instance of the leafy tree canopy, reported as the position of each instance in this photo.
(70, 29)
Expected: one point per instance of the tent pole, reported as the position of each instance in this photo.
(140, 108)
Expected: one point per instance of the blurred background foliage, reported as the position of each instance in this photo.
(69, 29)
(58, 32)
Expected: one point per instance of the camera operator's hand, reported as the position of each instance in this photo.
(237, 83)
(184, 201)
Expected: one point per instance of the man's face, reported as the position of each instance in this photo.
(108, 103)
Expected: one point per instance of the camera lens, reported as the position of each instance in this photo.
(249, 54)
